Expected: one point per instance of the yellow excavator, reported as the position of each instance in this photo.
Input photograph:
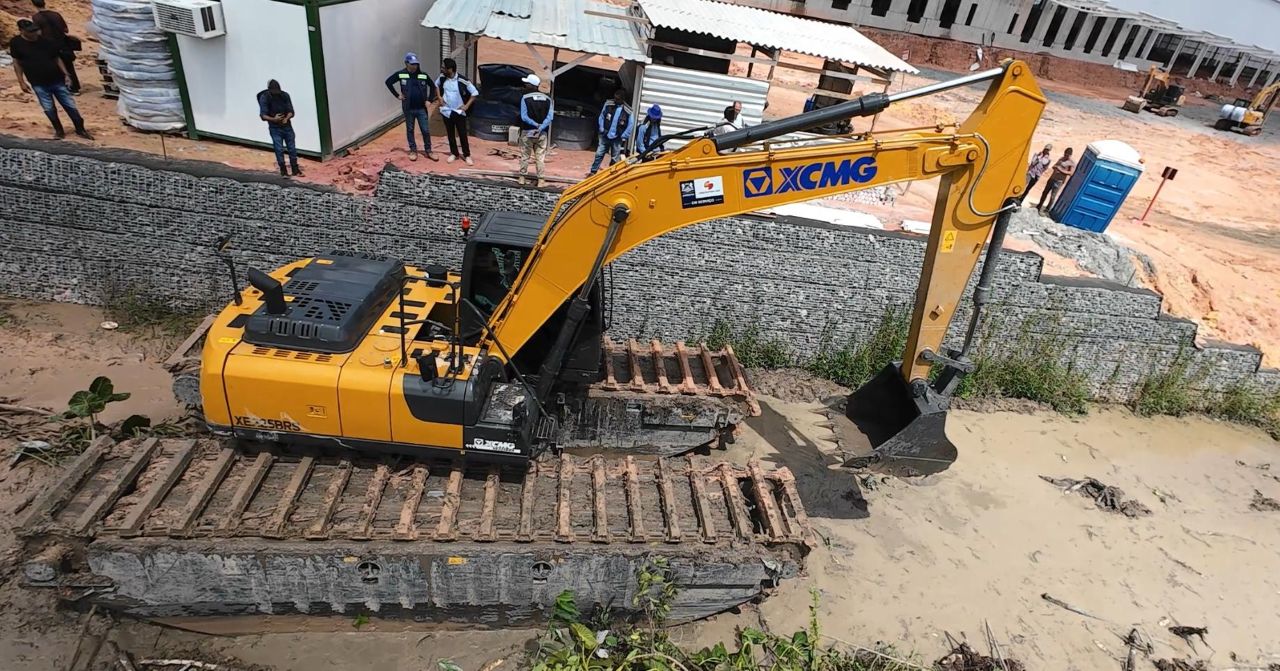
(1248, 116)
(1159, 95)
(509, 358)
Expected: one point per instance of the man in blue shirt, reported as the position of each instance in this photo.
(649, 131)
(456, 96)
(615, 124)
(536, 112)
(417, 93)
(276, 108)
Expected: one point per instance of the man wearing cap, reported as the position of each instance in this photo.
(615, 125)
(649, 132)
(536, 112)
(37, 62)
(417, 94)
(1035, 169)
(456, 96)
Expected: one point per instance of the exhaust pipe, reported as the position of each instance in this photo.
(906, 422)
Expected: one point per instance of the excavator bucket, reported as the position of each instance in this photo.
(906, 425)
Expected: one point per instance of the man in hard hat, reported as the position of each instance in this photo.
(417, 95)
(649, 132)
(536, 112)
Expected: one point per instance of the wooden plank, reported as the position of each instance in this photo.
(137, 517)
(667, 501)
(320, 528)
(116, 488)
(733, 498)
(204, 493)
(524, 533)
(180, 352)
(564, 531)
(635, 513)
(702, 505)
(710, 54)
(40, 514)
(766, 501)
(448, 527)
(600, 518)
(660, 366)
(810, 89)
(831, 73)
(248, 487)
(372, 499)
(407, 528)
(487, 531)
(289, 498)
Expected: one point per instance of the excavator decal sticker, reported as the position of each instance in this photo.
(764, 182)
(702, 191)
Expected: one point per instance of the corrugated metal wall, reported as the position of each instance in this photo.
(690, 98)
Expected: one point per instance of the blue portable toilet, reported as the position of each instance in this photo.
(1103, 178)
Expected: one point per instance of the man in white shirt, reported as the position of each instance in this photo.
(456, 96)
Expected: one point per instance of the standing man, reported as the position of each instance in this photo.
(54, 28)
(1061, 171)
(649, 132)
(456, 95)
(1039, 163)
(36, 62)
(276, 108)
(614, 124)
(536, 112)
(417, 93)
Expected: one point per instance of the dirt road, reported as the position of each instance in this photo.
(899, 562)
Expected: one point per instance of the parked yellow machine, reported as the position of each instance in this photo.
(1248, 116)
(507, 357)
(1159, 95)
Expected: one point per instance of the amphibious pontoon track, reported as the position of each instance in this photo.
(202, 527)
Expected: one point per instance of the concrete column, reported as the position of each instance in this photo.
(1024, 10)
(1104, 30)
(1064, 28)
(1271, 79)
(1200, 54)
(1235, 74)
(1085, 29)
(1152, 37)
(1046, 17)
(1218, 70)
(1182, 42)
(1258, 71)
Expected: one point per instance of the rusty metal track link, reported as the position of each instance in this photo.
(657, 369)
(209, 489)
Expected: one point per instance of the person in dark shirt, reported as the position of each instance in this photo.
(614, 125)
(40, 70)
(54, 28)
(650, 132)
(1062, 170)
(276, 108)
(417, 94)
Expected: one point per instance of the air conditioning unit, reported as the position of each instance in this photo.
(197, 18)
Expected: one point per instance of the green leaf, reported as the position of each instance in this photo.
(101, 386)
(130, 427)
(586, 637)
(752, 636)
(566, 609)
(122, 396)
(80, 405)
(447, 665)
(360, 621)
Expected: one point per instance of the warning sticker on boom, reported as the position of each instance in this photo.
(702, 191)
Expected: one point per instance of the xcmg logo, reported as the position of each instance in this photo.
(767, 181)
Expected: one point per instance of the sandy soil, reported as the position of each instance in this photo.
(899, 562)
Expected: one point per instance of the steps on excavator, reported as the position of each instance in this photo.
(169, 528)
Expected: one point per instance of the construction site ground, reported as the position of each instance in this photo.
(897, 562)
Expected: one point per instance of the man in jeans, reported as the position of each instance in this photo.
(54, 28)
(36, 62)
(417, 94)
(276, 108)
(536, 112)
(1039, 163)
(1061, 171)
(456, 96)
(614, 125)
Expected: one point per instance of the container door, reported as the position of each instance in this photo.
(1100, 196)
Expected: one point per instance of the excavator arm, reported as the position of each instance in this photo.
(981, 163)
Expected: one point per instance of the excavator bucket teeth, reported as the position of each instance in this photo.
(907, 432)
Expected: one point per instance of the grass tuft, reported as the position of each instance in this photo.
(1169, 391)
(753, 349)
(1031, 368)
(857, 361)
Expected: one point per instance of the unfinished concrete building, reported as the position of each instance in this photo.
(1196, 39)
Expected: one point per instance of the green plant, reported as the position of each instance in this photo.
(857, 361)
(754, 350)
(1245, 403)
(1031, 367)
(89, 403)
(447, 665)
(655, 590)
(360, 620)
(1169, 391)
(140, 312)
